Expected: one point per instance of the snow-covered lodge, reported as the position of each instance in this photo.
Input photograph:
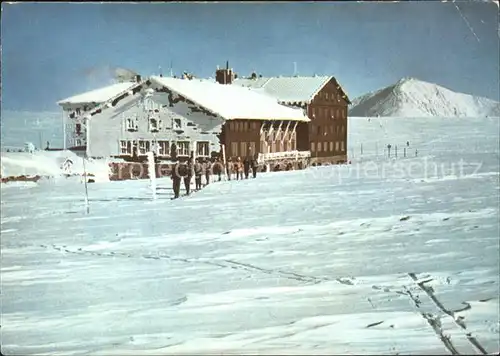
(276, 118)
(322, 98)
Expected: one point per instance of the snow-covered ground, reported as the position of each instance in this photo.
(379, 257)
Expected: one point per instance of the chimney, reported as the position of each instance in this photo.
(138, 78)
(224, 76)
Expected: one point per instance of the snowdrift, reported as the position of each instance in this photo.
(51, 164)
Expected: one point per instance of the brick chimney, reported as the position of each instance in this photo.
(224, 76)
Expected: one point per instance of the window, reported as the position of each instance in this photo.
(325, 146)
(336, 146)
(343, 146)
(337, 129)
(273, 146)
(234, 149)
(252, 148)
(142, 147)
(78, 142)
(331, 146)
(313, 147)
(131, 124)
(319, 146)
(243, 149)
(202, 149)
(78, 129)
(177, 124)
(124, 148)
(263, 148)
(154, 124)
(163, 148)
(183, 148)
(282, 146)
(255, 125)
(326, 96)
(294, 146)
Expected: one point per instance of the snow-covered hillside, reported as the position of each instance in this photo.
(378, 257)
(410, 97)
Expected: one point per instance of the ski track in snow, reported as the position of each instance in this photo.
(319, 261)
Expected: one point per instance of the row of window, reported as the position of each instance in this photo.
(330, 129)
(277, 146)
(242, 149)
(242, 126)
(163, 148)
(329, 96)
(154, 124)
(328, 146)
(334, 113)
(278, 136)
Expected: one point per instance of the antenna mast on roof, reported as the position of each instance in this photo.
(294, 69)
(171, 71)
(227, 65)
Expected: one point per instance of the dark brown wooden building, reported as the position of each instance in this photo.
(324, 100)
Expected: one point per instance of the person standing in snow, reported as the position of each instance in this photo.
(254, 165)
(176, 179)
(208, 168)
(246, 166)
(188, 176)
(238, 168)
(217, 168)
(198, 171)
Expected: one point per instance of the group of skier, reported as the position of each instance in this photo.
(183, 172)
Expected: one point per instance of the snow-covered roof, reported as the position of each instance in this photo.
(98, 95)
(288, 89)
(231, 101)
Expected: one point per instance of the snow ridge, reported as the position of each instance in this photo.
(410, 97)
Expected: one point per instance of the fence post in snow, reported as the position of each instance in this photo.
(152, 172)
(85, 181)
(389, 150)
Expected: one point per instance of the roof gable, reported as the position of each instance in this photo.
(289, 89)
(98, 96)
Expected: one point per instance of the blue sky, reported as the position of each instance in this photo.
(51, 51)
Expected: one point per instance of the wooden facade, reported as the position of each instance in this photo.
(328, 127)
(244, 138)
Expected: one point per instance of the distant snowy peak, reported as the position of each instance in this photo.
(410, 97)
